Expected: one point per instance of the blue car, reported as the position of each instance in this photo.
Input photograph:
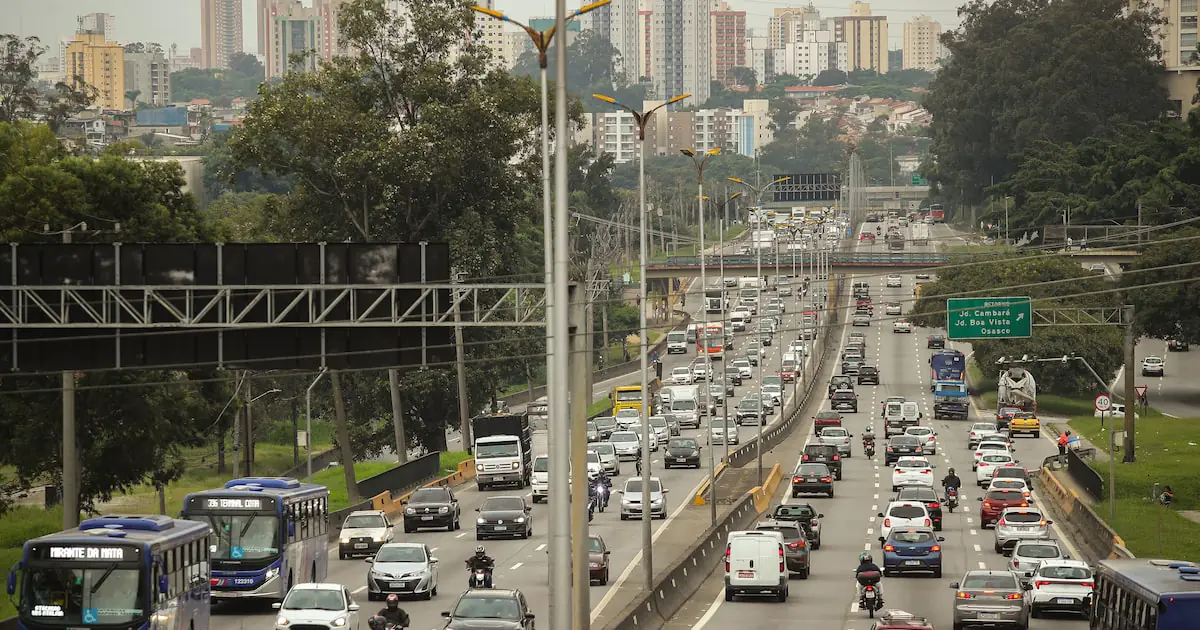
(912, 550)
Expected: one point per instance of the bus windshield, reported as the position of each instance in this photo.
(243, 536)
(76, 596)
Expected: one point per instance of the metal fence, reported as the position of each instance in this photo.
(1085, 475)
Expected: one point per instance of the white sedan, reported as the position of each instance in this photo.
(894, 281)
(927, 434)
(893, 309)
(988, 447)
(912, 471)
(901, 327)
(989, 464)
(682, 376)
(744, 369)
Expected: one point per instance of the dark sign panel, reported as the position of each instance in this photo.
(99, 271)
(86, 553)
(201, 504)
(801, 188)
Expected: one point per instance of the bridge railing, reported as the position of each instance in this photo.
(838, 258)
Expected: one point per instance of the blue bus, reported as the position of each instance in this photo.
(947, 381)
(1140, 594)
(131, 572)
(269, 534)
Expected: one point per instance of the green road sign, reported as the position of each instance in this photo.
(989, 318)
(917, 180)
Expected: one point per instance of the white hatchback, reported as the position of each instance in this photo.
(745, 370)
(682, 376)
(928, 435)
(894, 281)
(903, 514)
(989, 464)
(979, 431)
(987, 447)
(901, 327)
(1065, 585)
(912, 471)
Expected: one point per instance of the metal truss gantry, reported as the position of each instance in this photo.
(1080, 316)
(249, 306)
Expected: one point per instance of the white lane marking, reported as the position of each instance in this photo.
(359, 590)
(708, 614)
(461, 535)
(973, 532)
(515, 566)
(854, 607)
(874, 508)
(540, 547)
(871, 520)
(970, 520)
(876, 496)
(977, 549)
(866, 546)
(983, 565)
(876, 483)
(870, 530)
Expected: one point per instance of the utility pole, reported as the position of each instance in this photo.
(248, 439)
(1130, 392)
(70, 450)
(460, 360)
(398, 414)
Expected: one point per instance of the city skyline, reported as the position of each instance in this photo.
(142, 20)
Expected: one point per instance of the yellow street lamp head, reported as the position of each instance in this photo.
(606, 99)
(677, 99)
(735, 195)
(592, 6)
(736, 180)
(499, 15)
(688, 152)
(781, 179)
(713, 151)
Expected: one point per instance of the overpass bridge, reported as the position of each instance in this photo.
(851, 262)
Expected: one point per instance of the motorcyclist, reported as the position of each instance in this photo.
(868, 573)
(392, 613)
(638, 463)
(482, 561)
(868, 436)
(951, 480)
(602, 479)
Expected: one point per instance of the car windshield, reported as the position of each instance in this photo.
(314, 599)
(365, 521)
(603, 448)
(1065, 573)
(593, 457)
(541, 464)
(912, 463)
(622, 437)
(795, 511)
(750, 404)
(430, 495)
(912, 537)
(993, 446)
(1023, 517)
(789, 532)
(771, 380)
(484, 607)
(400, 553)
(685, 404)
(1005, 495)
(682, 443)
(508, 504)
(1038, 551)
(595, 545)
(983, 426)
(605, 423)
(501, 449)
(834, 432)
(905, 440)
(812, 469)
(1009, 484)
(681, 371)
(906, 511)
(920, 431)
(918, 493)
(659, 422)
(1005, 582)
(635, 485)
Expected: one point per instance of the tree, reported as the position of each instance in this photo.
(1162, 288)
(132, 97)
(1022, 71)
(830, 78)
(741, 75)
(1045, 279)
(816, 147)
(18, 73)
(240, 80)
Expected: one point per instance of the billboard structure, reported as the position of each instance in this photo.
(808, 187)
(250, 306)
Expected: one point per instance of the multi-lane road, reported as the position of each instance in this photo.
(827, 599)
(1178, 391)
(524, 564)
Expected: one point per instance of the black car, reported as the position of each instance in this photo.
(936, 341)
(812, 479)
(605, 425)
(432, 508)
(504, 517)
(840, 382)
(844, 400)
(850, 368)
(823, 454)
(868, 375)
(1177, 345)
(806, 515)
(925, 495)
(902, 446)
(733, 375)
(729, 389)
(490, 609)
(682, 452)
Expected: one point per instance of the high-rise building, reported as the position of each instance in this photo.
(102, 23)
(1178, 40)
(760, 58)
(728, 37)
(922, 50)
(617, 23)
(645, 43)
(785, 22)
(220, 31)
(491, 33)
(99, 64)
(681, 38)
(866, 38)
(331, 44)
(516, 44)
(817, 52)
(294, 28)
(148, 74)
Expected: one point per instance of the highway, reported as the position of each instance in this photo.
(1177, 392)
(523, 564)
(827, 600)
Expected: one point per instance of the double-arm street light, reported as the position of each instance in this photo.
(724, 326)
(759, 191)
(641, 119)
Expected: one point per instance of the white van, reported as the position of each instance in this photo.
(685, 405)
(677, 342)
(541, 478)
(755, 565)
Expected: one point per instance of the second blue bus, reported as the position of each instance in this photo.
(269, 535)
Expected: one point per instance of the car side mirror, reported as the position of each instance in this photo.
(1049, 522)
(433, 560)
(404, 502)
(353, 607)
(1026, 586)
(941, 539)
(880, 515)
(446, 613)
(11, 585)
(529, 615)
(276, 605)
(978, 498)
(666, 490)
(164, 584)
(954, 585)
(607, 553)
(370, 560)
(476, 509)
(881, 539)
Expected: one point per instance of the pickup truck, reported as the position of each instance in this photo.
(806, 515)
(825, 420)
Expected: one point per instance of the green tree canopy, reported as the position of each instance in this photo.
(1163, 287)
(1023, 71)
(240, 80)
(815, 147)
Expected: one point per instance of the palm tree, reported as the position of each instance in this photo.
(132, 97)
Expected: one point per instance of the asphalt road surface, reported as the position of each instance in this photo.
(1177, 392)
(524, 564)
(827, 600)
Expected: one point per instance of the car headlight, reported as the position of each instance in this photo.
(516, 465)
(656, 502)
(444, 510)
(626, 502)
(479, 467)
(345, 541)
(480, 521)
(379, 538)
(282, 621)
(339, 622)
(409, 511)
(271, 573)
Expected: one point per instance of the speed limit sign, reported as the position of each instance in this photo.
(1103, 403)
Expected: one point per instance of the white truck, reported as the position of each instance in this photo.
(1016, 387)
(685, 405)
(919, 233)
(762, 240)
(677, 342)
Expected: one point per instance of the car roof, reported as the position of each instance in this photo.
(492, 593)
(1064, 562)
(1023, 510)
(319, 586)
(366, 513)
(1038, 541)
(905, 503)
(395, 545)
(912, 530)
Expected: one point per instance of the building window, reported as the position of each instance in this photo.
(1187, 6)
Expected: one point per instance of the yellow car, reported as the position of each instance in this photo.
(1025, 422)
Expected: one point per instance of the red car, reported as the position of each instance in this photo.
(788, 374)
(900, 620)
(996, 501)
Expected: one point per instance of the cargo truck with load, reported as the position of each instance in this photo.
(503, 450)
(919, 233)
(1016, 387)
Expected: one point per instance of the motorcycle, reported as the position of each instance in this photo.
(870, 600)
(869, 449)
(480, 578)
(601, 495)
(951, 498)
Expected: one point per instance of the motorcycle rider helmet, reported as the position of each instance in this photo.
(865, 557)
(480, 552)
(377, 623)
(393, 601)
(950, 472)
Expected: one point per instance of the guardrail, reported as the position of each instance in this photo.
(1099, 540)
(391, 502)
(835, 258)
(1085, 475)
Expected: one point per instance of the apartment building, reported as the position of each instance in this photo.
(681, 39)
(102, 23)
(1178, 39)
(743, 131)
(760, 58)
(751, 141)
(491, 35)
(816, 52)
(220, 31)
(645, 39)
(866, 38)
(148, 74)
(921, 47)
(715, 129)
(785, 22)
(99, 63)
(617, 133)
(294, 28)
(728, 37)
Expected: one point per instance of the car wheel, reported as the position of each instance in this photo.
(998, 548)
(831, 493)
(428, 595)
(804, 574)
(408, 530)
(728, 595)
(937, 574)
(371, 597)
(817, 545)
(1035, 612)
(604, 578)
(343, 556)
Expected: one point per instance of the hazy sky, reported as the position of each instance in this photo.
(178, 21)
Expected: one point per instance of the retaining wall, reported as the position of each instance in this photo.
(1098, 540)
(392, 504)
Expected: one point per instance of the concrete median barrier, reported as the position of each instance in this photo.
(702, 494)
(1098, 540)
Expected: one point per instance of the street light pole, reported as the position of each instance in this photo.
(712, 464)
(642, 119)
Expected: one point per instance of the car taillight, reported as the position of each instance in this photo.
(804, 459)
(978, 454)
(926, 472)
(836, 457)
(1016, 563)
(1041, 583)
(213, 581)
(1043, 523)
(827, 479)
(927, 523)
(1013, 596)
(918, 449)
(935, 548)
(1024, 504)
(987, 504)
(887, 522)
(962, 595)
(889, 548)
(799, 544)
(782, 567)
(1001, 522)
(984, 464)
(1088, 584)
(889, 449)
(727, 558)
(796, 479)
(935, 504)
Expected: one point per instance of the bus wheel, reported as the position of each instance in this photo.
(291, 581)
